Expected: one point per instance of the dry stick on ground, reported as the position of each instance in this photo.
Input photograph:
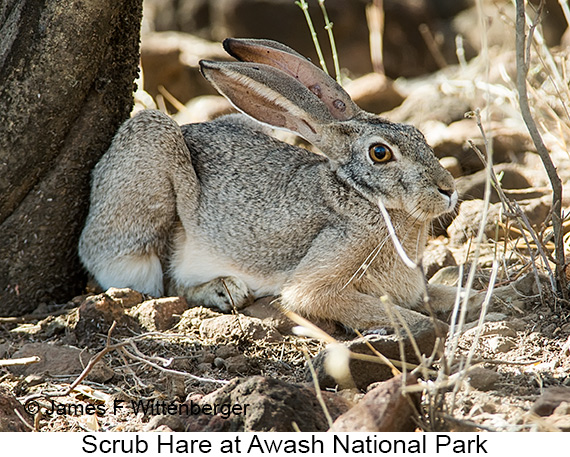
(22, 361)
(522, 58)
(120, 345)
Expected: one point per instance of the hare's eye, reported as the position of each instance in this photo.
(380, 153)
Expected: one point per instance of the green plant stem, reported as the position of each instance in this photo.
(328, 28)
(305, 8)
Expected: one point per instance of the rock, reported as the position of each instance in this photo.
(256, 404)
(56, 359)
(500, 344)
(482, 378)
(550, 400)
(404, 49)
(382, 409)
(238, 364)
(453, 141)
(270, 314)
(236, 327)
(437, 256)
(512, 178)
(447, 276)
(273, 405)
(160, 314)
(364, 373)
(374, 93)
(227, 350)
(536, 210)
(12, 413)
(96, 315)
(519, 294)
(494, 329)
(126, 297)
(466, 23)
(164, 422)
(489, 317)
(466, 224)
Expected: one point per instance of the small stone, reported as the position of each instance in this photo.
(96, 315)
(207, 357)
(126, 297)
(499, 344)
(466, 224)
(383, 409)
(374, 92)
(472, 187)
(550, 400)
(447, 276)
(204, 367)
(237, 327)
(270, 405)
(238, 364)
(159, 314)
(482, 378)
(227, 350)
(502, 328)
(437, 256)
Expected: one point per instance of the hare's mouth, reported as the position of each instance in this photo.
(432, 205)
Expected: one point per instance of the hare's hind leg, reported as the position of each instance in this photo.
(202, 277)
(225, 293)
(136, 188)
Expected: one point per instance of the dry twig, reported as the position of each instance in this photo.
(523, 58)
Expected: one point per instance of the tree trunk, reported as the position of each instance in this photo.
(66, 84)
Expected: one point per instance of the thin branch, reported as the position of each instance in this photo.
(522, 71)
(22, 361)
(375, 20)
(305, 8)
(328, 28)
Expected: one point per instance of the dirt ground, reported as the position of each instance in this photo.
(161, 352)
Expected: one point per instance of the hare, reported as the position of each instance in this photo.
(220, 212)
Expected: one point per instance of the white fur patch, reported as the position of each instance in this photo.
(194, 264)
(142, 273)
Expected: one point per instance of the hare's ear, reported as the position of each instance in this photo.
(277, 55)
(271, 97)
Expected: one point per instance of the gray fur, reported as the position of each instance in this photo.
(176, 208)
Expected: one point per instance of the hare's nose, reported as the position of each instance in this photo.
(446, 192)
(451, 194)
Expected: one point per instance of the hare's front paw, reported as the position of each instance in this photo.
(222, 293)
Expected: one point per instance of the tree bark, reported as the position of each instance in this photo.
(66, 84)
